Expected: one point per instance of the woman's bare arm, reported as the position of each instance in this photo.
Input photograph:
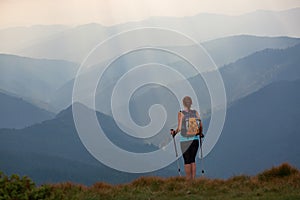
(180, 116)
(201, 126)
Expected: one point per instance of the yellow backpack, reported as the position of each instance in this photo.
(193, 128)
(190, 123)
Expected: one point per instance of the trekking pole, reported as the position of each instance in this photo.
(178, 166)
(201, 152)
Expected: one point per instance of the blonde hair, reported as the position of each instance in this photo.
(186, 98)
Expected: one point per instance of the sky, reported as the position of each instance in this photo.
(110, 12)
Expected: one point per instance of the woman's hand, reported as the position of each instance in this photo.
(174, 132)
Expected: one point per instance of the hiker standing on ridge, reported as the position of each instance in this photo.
(190, 128)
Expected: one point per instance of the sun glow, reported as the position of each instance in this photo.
(74, 12)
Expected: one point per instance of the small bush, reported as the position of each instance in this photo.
(14, 187)
(278, 172)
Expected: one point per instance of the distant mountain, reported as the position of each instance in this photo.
(206, 26)
(74, 43)
(252, 73)
(51, 151)
(35, 80)
(240, 78)
(13, 39)
(261, 130)
(229, 49)
(17, 113)
(49, 83)
(260, 69)
(231, 73)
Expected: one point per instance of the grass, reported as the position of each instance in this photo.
(281, 182)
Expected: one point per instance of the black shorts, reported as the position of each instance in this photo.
(189, 150)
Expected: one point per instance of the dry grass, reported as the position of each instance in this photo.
(282, 182)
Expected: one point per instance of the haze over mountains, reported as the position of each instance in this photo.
(74, 43)
(35, 80)
(241, 78)
(257, 55)
(50, 86)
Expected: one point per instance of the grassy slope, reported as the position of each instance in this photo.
(282, 182)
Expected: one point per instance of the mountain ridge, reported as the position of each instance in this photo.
(232, 73)
(59, 138)
(32, 79)
(262, 124)
(17, 113)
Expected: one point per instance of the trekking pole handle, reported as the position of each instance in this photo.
(172, 132)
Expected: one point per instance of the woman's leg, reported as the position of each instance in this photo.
(186, 158)
(188, 171)
(193, 170)
(189, 150)
(193, 151)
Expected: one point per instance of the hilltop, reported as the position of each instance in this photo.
(281, 182)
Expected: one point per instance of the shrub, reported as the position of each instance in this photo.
(14, 187)
(278, 172)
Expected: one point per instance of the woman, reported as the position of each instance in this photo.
(189, 137)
